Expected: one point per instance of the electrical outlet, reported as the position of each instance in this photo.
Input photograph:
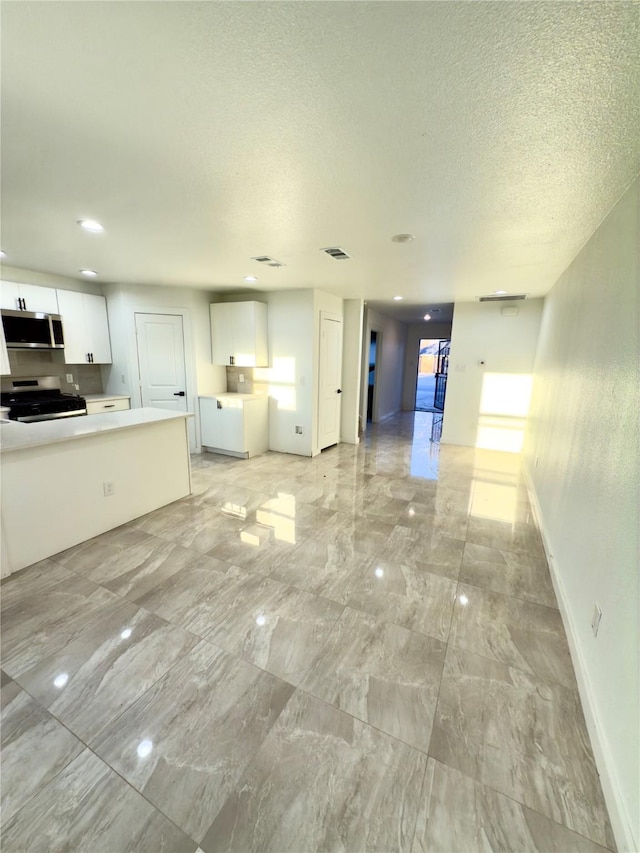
(70, 378)
(298, 430)
(241, 377)
(595, 619)
(108, 488)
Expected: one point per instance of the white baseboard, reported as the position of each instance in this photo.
(620, 821)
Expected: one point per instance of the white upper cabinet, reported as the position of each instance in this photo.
(5, 367)
(239, 334)
(85, 327)
(28, 297)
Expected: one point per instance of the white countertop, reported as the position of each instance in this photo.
(231, 395)
(20, 436)
(97, 398)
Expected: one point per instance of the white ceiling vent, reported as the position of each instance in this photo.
(517, 297)
(270, 262)
(337, 253)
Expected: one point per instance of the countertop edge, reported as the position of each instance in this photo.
(95, 425)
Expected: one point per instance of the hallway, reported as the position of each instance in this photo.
(360, 651)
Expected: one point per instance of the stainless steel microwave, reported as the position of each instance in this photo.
(32, 330)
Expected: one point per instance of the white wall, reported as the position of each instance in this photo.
(351, 370)
(486, 404)
(389, 365)
(415, 333)
(584, 432)
(121, 377)
(46, 280)
(291, 372)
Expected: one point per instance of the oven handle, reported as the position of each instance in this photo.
(52, 416)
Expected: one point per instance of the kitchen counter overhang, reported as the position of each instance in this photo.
(64, 482)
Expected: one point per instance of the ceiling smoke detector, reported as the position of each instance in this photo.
(336, 252)
(267, 261)
(403, 238)
(513, 298)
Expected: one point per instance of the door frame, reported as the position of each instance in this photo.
(365, 374)
(415, 387)
(193, 424)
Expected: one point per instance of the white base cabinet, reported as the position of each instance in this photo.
(99, 404)
(235, 424)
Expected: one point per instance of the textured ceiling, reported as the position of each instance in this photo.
(202, 134)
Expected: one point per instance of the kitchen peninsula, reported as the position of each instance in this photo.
(65, 481)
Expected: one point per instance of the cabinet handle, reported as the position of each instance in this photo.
(110, 406)
(219, 404)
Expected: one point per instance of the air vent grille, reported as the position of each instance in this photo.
(336, 252)
(517, 297)
(270, 262)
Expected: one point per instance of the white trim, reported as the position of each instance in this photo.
(618, 815)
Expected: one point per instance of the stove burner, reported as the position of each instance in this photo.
(39, 399)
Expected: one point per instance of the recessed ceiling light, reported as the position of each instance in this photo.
(91, 225)
(89, 273)
(397, 298)
(427, 316)
(499, 292)
(403, 238)
(250, 278)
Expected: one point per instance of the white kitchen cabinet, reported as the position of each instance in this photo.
(100, 404)
(28, 297)
(85, 327)
(239, 334)
(5, 367)
(236, 424)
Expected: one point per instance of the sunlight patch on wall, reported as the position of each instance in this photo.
(282, 381)
(504, 404)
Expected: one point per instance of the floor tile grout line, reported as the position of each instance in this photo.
(520, 803)
(490, 591)
(87, 747)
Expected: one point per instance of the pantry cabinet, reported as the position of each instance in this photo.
(85, 327)
(239, 334)
(28, 297)
(235, 424)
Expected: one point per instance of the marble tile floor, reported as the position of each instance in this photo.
(356, 652)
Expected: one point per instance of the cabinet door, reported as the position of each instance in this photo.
(97, 325)
(210, 422)
(250, 334)
(9, 295)
(5, 367)
(232, 426)
(221, 332)
(71, 309)
(37, 298)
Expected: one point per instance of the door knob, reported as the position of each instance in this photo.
(179, 394)
(339, 391)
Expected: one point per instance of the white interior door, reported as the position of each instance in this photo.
(330, 380)
(161, 361)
